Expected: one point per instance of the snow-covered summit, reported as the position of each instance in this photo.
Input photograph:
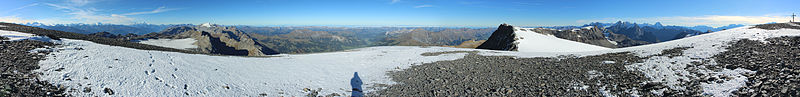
(208, 25)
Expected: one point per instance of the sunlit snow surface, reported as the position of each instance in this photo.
(14, 36)
(529, 41)
(131, 72)
(185, 43)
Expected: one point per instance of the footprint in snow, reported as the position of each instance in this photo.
(158, 79)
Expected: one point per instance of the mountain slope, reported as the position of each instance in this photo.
(507, 37)
(215, 39)
(589, 35)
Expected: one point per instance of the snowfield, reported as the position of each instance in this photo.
(185, 43)
(14, 36)
(529, 41)
(132, 72)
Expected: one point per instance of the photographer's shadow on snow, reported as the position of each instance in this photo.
(356, 84)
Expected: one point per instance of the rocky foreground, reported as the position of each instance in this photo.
(17, 78)
(511, 76)
(776, 62)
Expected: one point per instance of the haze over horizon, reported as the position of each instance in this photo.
(481, 13)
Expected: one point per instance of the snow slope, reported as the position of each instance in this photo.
(185, 43)
(14, 36)
(132, 72)
(529, 41)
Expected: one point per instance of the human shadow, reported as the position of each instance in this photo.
(356, 84)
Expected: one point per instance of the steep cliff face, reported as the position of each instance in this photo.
(217, 40)
(502, 39)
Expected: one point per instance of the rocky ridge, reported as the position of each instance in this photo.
(213, 39)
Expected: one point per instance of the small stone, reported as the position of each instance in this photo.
(784, 90)
(109, 91)
(87, 89)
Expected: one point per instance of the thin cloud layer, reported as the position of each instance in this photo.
(88, 15)
(76, 13)
(157, 10)
(423, 6)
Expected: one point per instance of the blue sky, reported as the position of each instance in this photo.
(399, 12)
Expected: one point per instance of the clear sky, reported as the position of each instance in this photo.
(399, 12)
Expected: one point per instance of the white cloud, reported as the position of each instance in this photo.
(394, 1)
(157, 10)
(77, 14)
(79, 2)
(89, 15)
(18, 8)
(423, 6)
(710, 20)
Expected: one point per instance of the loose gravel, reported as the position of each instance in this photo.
(17, 78)
(477, 75)
(777, 26)
(776, 62)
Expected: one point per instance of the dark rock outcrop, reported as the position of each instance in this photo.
(502, 39)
